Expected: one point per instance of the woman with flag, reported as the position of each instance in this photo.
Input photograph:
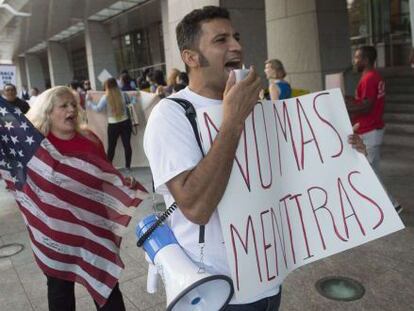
(75, 204)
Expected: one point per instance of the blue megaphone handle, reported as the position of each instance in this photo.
(159, 238)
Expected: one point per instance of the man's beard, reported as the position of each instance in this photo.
(203, 60)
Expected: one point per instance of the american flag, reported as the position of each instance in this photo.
(76, 208)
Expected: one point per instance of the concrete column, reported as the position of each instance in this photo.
(34, 72)
(154, 42)
(334, 38)
(59, 66)
(99, 52)
(172, 11)
(21, 77)
(252, 33)
(310, 38)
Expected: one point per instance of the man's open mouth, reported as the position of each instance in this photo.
(233, 64)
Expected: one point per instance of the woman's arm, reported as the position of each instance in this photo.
(100, 106)
(273, 91)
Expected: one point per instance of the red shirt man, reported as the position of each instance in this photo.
(367, 108)
(371, 87)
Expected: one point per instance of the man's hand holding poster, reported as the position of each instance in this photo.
(298, 192)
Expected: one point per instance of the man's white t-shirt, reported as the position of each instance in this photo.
(171, 148)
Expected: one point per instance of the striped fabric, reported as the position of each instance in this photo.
(76, 208)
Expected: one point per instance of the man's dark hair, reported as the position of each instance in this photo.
(188, 30)
(10, 85)
(370, 53)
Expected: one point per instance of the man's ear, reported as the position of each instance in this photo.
(190, 58)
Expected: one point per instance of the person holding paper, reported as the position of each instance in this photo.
(211, 51)
(115, 102)
(367, 107)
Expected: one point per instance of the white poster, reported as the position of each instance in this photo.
(7, 75)
(298, 192)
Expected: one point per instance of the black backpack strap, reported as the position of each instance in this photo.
(191, 115)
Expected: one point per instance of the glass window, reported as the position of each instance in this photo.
(359, 21)
(80, 65)
(383, 23)
(127, 40)
(140, 49)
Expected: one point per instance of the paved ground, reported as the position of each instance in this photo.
(385, 266)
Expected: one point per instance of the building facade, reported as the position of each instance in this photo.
(80, 39)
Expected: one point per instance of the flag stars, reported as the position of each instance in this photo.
(29, 140)
(14, 139)
(8, 125)
(5, 138)
(17, 111)
(12, 151)
(20, 153)
(3, 111)
(24, 126)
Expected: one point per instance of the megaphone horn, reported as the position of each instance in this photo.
(187, 288)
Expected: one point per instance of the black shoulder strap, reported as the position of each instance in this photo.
(191, 115)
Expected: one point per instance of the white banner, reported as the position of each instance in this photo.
(298, 192)
(7, 75)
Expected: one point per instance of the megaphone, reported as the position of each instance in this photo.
(187, 287)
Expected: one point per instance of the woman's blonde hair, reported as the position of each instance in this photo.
(278, 67)
(171, 80)
(39, 113)
(114, 97)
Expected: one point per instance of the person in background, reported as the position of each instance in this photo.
(367, 107)
(181, 82)
(125, 82)
(34, 93)
(182, 79)
(10, 95)
(156, 79)
(171, 81)
(114, 101)
(275, 73)
(87, 85)
(143, 84)
(24, 94)
(78, 92)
